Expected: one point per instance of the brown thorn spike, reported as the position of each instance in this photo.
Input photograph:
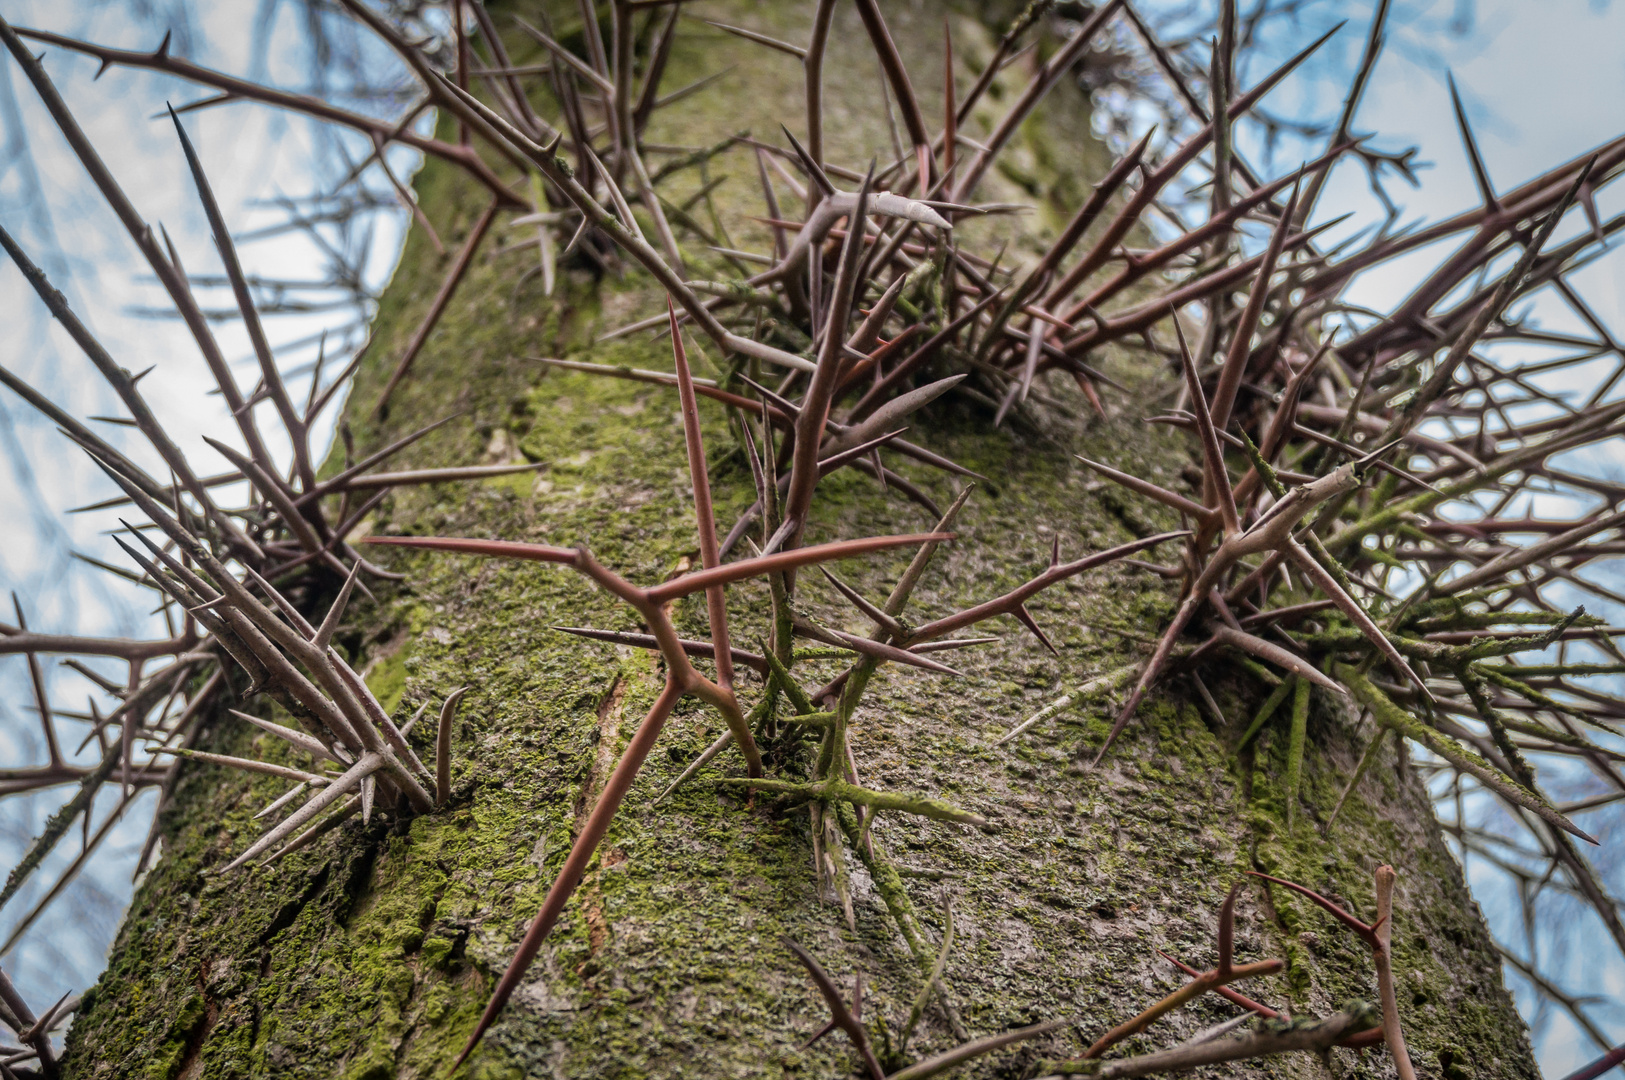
(1025, 618)
(442, 746)
(1218, 480)
(1235, 361)
(448, 286)
(841, 1016)
(821, 388)
(1274, 654)
(815, 171)
(1227, 931)
(715, 597)
(1481, 175)
(324, 633)
(1006, 604)
(292, 422)
(880, 618)
(891, 62)
(1227, 971)
(1366, 933)
(575, 864)
(1392, 1032)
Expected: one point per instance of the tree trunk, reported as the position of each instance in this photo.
(372, 952)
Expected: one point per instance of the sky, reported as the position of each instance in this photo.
(1542, 82)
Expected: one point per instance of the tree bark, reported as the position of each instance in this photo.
(371, 953)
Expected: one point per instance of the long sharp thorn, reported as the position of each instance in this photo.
(896, 72)
(283, 799)
(337, 787)
(717, 746)
(814, 170)
(1004, 605)
(448, 287)
(307, 743)
(1026, 619)
(442, 746)
(761, 39)
(870, 647)
(345, 811)
(245, 764)
(1235, 361)
(870, 449)
(1349, 606)
(710, 556)
(272, 593)
(1366, 933)
(965, 1051)
(406, 728)
(272, 377)
(703, 649)
(338, 481)
(1153, 668)
(916, 568)
(700, 481)
(578, 65)
(821, 388)
(784, 560)
(1275, 654)
(1227, 931)
(324, 633)
(819, 1034)
(575, 238)
(758, 475)
(575, 864)
(1212, 454)
(1204, 514)
(880, 618)
(1481, 175)
(839, 1012)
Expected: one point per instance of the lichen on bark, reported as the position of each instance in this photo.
(370, 954)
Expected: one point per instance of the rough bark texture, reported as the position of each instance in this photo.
(371, 953)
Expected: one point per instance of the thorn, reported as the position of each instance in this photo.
(879, 617)
(1227, 931)
(1481, 175)
(1366, 933)
(406, 728)
(442, 746)
(1026, 619)
(814, 170)
(283, 800)
(324, 633)
(1218, 481)
(308, 743)
(841, 1016)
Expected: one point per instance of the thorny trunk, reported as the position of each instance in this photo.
(371, 953)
